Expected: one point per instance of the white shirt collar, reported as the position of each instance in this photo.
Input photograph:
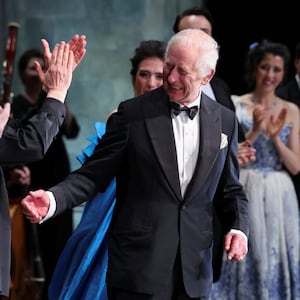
(196, 102)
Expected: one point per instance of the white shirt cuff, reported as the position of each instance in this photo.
(241, 233)
(52, 207)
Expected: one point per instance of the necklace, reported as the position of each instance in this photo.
(268, 106)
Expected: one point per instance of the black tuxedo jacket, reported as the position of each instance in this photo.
(291, 92)
(151, 220)
(222, 92)
(22, 142)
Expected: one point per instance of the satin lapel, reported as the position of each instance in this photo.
(210, 139)
(162, 138)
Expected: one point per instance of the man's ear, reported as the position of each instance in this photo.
(208, 77)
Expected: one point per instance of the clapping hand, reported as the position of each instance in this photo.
(58, 75)
(77, 45)
(246, 153)
(259, 118)
(275, 125)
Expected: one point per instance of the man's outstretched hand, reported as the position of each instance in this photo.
(35, 205)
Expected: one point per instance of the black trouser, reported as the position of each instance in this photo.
(173, 291)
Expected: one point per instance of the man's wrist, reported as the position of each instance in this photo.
(241, 233)
(60, 95)
(52, 207)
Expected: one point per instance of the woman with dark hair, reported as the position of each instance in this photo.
(80, 272)
(146, 66)
(271, 270)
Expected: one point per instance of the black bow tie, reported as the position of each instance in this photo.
(177, 109)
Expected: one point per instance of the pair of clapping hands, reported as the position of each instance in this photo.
(60, 64)
(262, 122)
(57, 76)
(270, 124)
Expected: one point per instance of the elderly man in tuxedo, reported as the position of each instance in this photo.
(171, 150)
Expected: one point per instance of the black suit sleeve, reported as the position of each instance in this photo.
(28, 140)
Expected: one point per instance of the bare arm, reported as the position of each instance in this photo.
(290, 152)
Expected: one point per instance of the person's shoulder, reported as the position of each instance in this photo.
(291, 108)
(288, 104)
(158, 92)
(287, 85)
(149, 96)
(289, 89)
(291, 82)
(245, 98)
(219, 83)
(242, 102)
(212, 104)
(218, 80)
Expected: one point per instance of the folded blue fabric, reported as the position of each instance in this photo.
(81, 269)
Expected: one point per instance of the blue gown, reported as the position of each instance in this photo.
(271, 269)
(81, 269)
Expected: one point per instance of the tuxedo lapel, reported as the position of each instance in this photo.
(210, 139)
(295, 92)
(160, 130)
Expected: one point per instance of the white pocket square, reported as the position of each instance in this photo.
(224, 141)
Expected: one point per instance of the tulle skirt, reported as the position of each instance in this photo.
(271, 269)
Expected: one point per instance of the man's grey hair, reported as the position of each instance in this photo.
(196, 38)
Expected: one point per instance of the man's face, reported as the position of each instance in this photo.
(198, 22)
(182, 80)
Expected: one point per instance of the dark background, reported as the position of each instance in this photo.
(240, 23)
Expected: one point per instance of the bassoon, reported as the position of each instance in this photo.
(8, 63)
(27, 272)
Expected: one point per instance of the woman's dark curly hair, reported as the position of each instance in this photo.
(257, 52)
(146, 49)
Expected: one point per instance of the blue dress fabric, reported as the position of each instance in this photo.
(271, 269)
(81, 269)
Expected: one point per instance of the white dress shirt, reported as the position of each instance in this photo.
(187, 137)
